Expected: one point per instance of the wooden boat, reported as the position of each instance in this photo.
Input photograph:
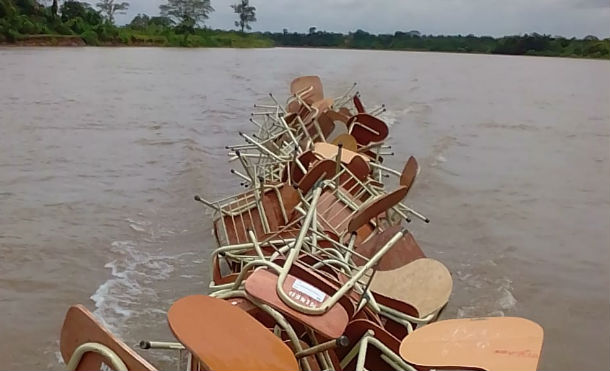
(315, 268)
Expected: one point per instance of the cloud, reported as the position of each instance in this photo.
(480, 17)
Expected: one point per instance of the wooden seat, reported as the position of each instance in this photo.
(223, 337)
(425, 284)
(262, 286)
(494, 344)
(329, 151)
(347, 141)
(81, 327)
(367, 129)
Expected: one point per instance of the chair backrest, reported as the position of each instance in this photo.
(322, 170)
(358, 104)
(345, 112)
(81, 327)
(405, 251)
(323, 104)
(305, 82)
(243, 213)
(325, 124)
(498, 344)
(359, 167)
(409, 172)
(340, 115)
(424, 284)
(223, 337)
(376, 206)
(296, 173)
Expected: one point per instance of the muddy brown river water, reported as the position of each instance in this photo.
(102, 149)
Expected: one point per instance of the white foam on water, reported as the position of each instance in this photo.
(139, 225)
(132, 272)
(59, 357)
(498, 294)
(506, 300)
(467, 312)
(439, 150)
(389, 117)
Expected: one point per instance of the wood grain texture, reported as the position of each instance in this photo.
(80, 326)
(224, 337)
(494, 344)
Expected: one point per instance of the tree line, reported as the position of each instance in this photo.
(527, 44)
(182, 23)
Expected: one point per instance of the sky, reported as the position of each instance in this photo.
(449, 17)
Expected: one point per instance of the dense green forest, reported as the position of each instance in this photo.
(31, 23)
(532, 44)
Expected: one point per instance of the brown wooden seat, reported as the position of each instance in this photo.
(81, 327)
(329, 151)
(262, 285)
(347, 141)
(424, 284)
(494, 344)
(323, 278)
(367, 129)
(223, 337)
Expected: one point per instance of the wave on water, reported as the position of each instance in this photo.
(165, 141)
(138, 225)
(389, 117)
(438, 157)
(496, 302)
(506, 299)
(132, 274)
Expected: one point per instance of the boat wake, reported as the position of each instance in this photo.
(132, 274)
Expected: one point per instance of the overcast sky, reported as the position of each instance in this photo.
(480, 17)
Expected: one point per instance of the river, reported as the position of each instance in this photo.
(102, 150)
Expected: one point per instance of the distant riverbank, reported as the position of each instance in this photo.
(131, 38)
(589, 49)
